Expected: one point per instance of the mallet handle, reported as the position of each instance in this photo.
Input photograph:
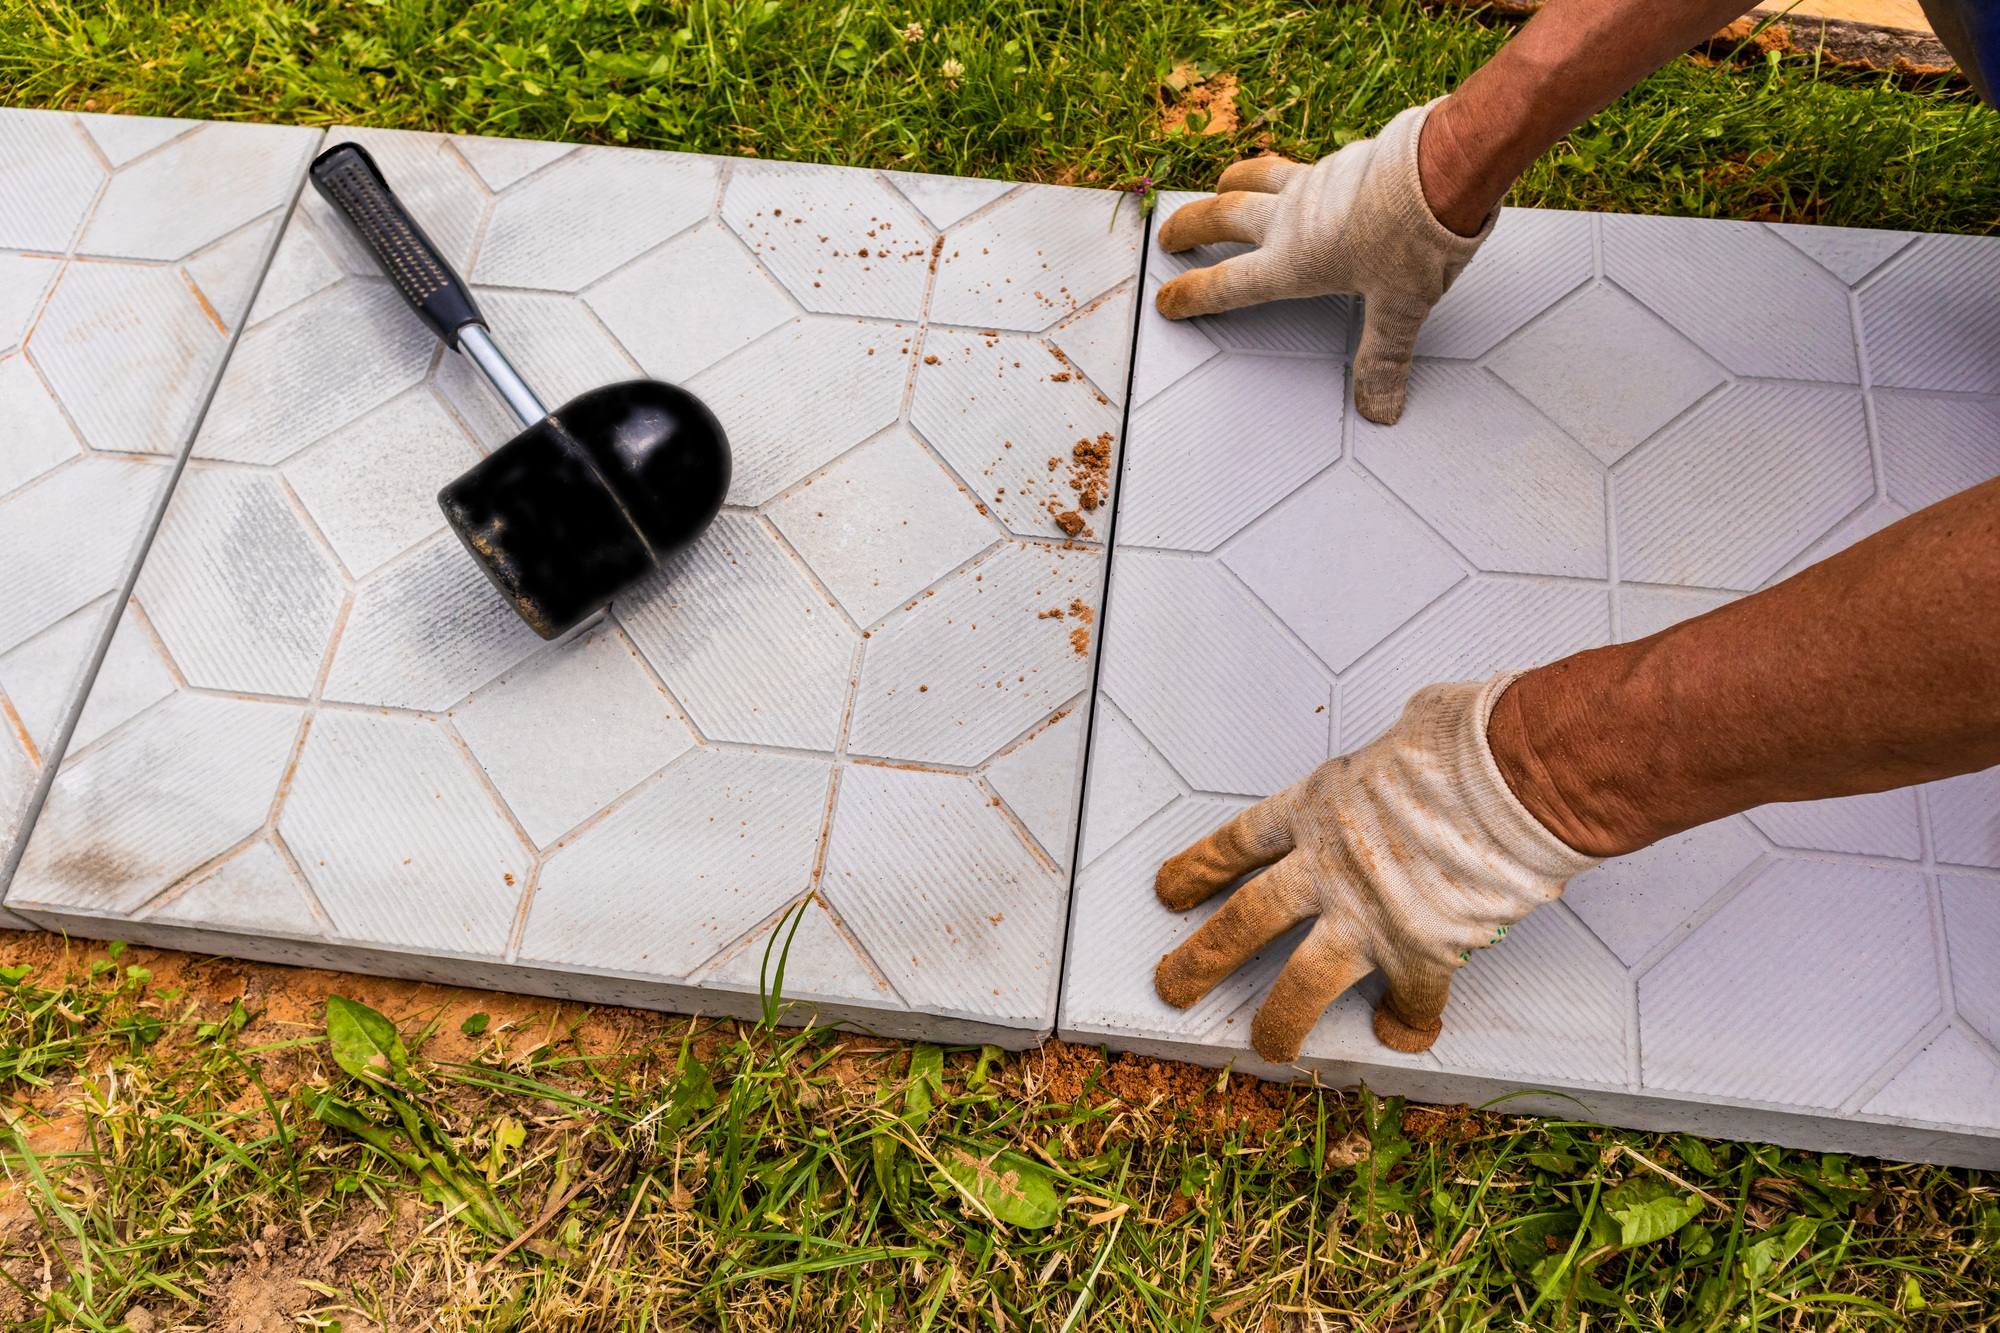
(347, 177)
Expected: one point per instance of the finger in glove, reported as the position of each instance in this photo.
(1252, 840)
(1326, 963)
(1255, 914)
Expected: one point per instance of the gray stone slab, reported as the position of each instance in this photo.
(130, 248)
(864, 690)
(1616, 423)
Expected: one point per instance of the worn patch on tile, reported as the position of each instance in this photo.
(1614, 424)
(866, 687)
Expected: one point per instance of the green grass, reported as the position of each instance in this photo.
(1043, 91)
(197, 1157)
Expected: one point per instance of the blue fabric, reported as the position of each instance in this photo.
(1970, 29)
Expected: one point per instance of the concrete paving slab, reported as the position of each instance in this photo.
(864, 689)
(130, 248)
(1617, 423)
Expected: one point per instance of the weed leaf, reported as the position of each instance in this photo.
(1015, 1189)
(366, 1044)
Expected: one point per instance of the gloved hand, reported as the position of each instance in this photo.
(1412, 852)
(1353, 222)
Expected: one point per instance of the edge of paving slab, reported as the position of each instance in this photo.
(1652, 1111)
(31, 812)
(569, 983)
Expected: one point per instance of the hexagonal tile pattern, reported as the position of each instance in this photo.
(882, 524)
(198, 189)
(1343, 564)
(1715, 1017)
(841, 241)
(626, 814)
(1776, 971)
(52, 178)
(978, 661)
(1007, 414)
(1729, 496)
(1035, 259)
(1750, 300)
(1606, 370)
(1926, 319)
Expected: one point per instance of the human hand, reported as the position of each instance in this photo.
(1411, 852)
(1356, 221)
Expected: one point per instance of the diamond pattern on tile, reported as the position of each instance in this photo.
(432, 182)
(689, 303)
(1750, 300)
(42, 675)
(621, 898)
(1644, 611)
(565, 733)
(1929, 320)
(184, 784)
(841, 241)
(242, 595)
(1548, 997)
(24, 281)
(371, 487)
(1343, 565)
(882, 524)
(1500, 483)
(1606, 370)
(1849, 253)
(302, 267)
(1952, 1080)
(425, 631)
(1881, 823)
(398, 837)
(1533, 259)
(1637, 901)
(1037, 780)
(555, 342)
(1965, 819)
(1972, 925)
(975, 663)
(1098, 341)
(197, 190)
(1121, 928)
(227, 272)
(1083, 244)
(74, 529)
(148, 324)
(124, 138)
(802, 395)
(52, 177)
(987, 404)
(1128, 784)
(1222, 693)
(1167, 350)
(1717, 1018)
(1936, 447)
(38, 436)
(750, 648)
(501, 162)
(1474, 632)
(1729, 496)
(945, 200)
(941, 888)
(312, 369)
(132, 679)
(1184, 489)
(594, 211)
(820, 963)
(256, 889)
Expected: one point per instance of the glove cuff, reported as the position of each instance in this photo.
(1396, 149)
(1511, 825)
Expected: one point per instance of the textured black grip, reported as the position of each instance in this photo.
(349, 180)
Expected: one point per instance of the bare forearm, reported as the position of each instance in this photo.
(1876, 668)
(1569, 62)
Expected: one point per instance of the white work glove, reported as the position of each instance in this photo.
(1412, 852)
(1353, 222)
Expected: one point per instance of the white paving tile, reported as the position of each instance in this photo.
(1554, 999)
(1044, 254)
(950, 900)
(1533, 258)
(1965, 819)
(819, 963)
(841, 241)
(1644, 610)
(627, 813)
(977, 662)
(1953, 1079)
(1636, 902)
(1878, 824)
(945, 200)
(565, 733)
(227, 272)
(1927, 319)
(75, 530)
(24, 282)
(122, 138)
(1128, 784)
(41, 676)
(882, 524)
(688, 304)
(1849, 253)
(52, 178)
(1972, 924)
(197, 190)
(1933, 446)
(992, 405)
(38, 435)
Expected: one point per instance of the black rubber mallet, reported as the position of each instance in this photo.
(587, 499)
